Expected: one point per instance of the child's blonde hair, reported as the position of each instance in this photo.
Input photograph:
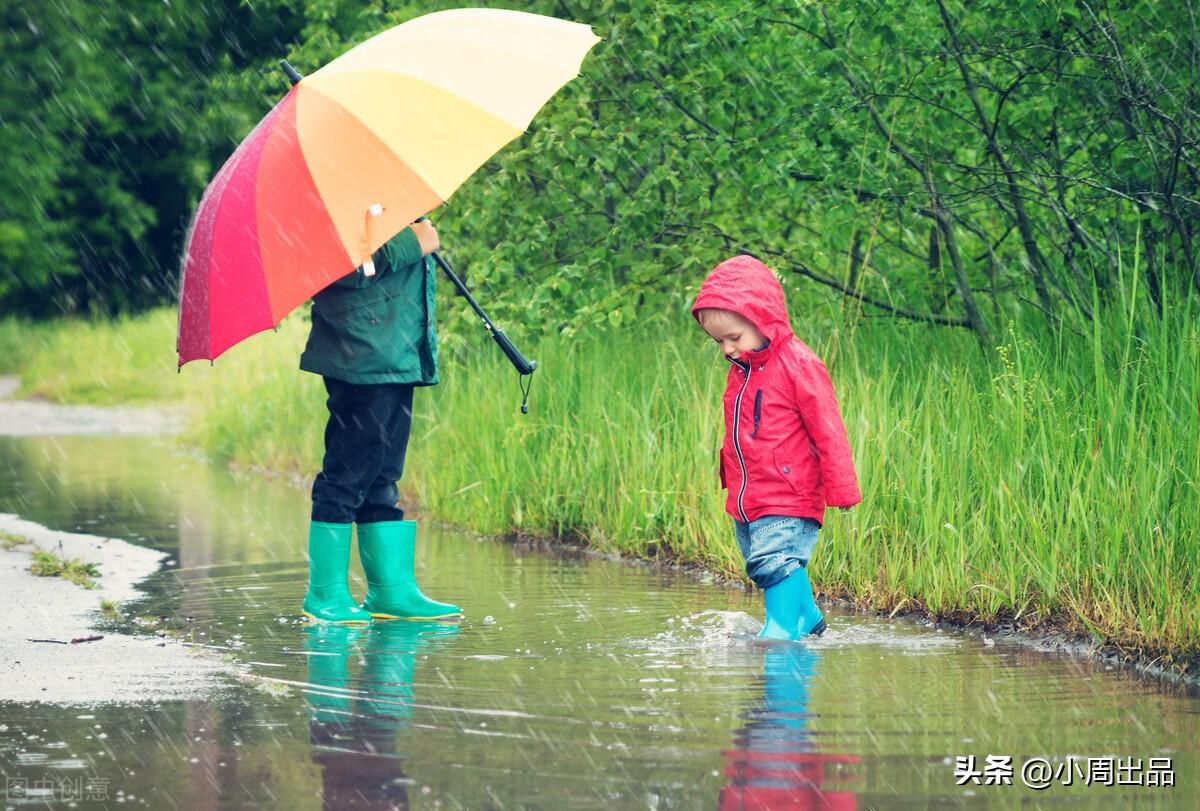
(706, 314)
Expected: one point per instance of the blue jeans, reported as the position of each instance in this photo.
(774, 546)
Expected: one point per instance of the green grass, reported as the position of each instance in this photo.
(11, 541)
(48, 564)
(17, 339)
(1037, 488)
(127, 360)
(1054, 481)
(255, 408)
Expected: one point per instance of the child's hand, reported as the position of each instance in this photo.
(427, 236)
(845, 509)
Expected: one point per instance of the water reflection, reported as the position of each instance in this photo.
(356, 721)
(775, 763)
(594, 685)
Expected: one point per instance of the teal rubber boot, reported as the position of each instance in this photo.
(811, 622)
(782, 603)
(387, 550)
(791, 610)
(328, 598)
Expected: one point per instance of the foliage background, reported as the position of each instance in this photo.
(958, 163)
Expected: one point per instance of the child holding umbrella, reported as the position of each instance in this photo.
(373, 341)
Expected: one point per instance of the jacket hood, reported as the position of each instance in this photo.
(747, 287)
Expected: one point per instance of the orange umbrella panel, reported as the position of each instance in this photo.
(356, 152)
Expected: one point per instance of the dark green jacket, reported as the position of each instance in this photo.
(378, 329)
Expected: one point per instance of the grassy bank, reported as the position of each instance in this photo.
(129, 360)
(1056, 482)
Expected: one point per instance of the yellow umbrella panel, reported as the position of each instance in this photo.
(354, 153)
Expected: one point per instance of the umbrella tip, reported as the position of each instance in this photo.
(292, 73)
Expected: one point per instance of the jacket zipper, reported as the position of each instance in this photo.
(757, 412)
(737, 448)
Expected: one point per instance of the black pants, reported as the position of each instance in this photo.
(365, 442)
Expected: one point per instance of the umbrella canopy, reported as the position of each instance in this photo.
(354, 153)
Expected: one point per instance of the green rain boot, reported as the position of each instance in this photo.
(387, 550)
(328, 598)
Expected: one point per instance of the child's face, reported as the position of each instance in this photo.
(735, 335)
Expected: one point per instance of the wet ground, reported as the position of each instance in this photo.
(35, 417)
(50, 651)
(572, 683)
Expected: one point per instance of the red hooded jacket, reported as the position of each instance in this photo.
(785, 450)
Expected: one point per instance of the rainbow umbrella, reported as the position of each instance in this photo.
(354, 153)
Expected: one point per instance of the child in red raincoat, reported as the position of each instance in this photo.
(785, 457)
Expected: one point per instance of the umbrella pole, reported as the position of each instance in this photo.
(523, 366)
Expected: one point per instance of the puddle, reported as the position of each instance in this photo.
(571, 683)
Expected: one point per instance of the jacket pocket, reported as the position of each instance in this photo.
(337, 301)
(787, 469)
(758, 399)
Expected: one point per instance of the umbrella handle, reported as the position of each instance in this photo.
(293, 75)
(523, 365)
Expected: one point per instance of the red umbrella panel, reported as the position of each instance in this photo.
(354, 153)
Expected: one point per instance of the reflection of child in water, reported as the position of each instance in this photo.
(354, 740)
(773, 764)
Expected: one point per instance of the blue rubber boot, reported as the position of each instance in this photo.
(791, 610)
(328, 598)
(782, 602)
(811, 622)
